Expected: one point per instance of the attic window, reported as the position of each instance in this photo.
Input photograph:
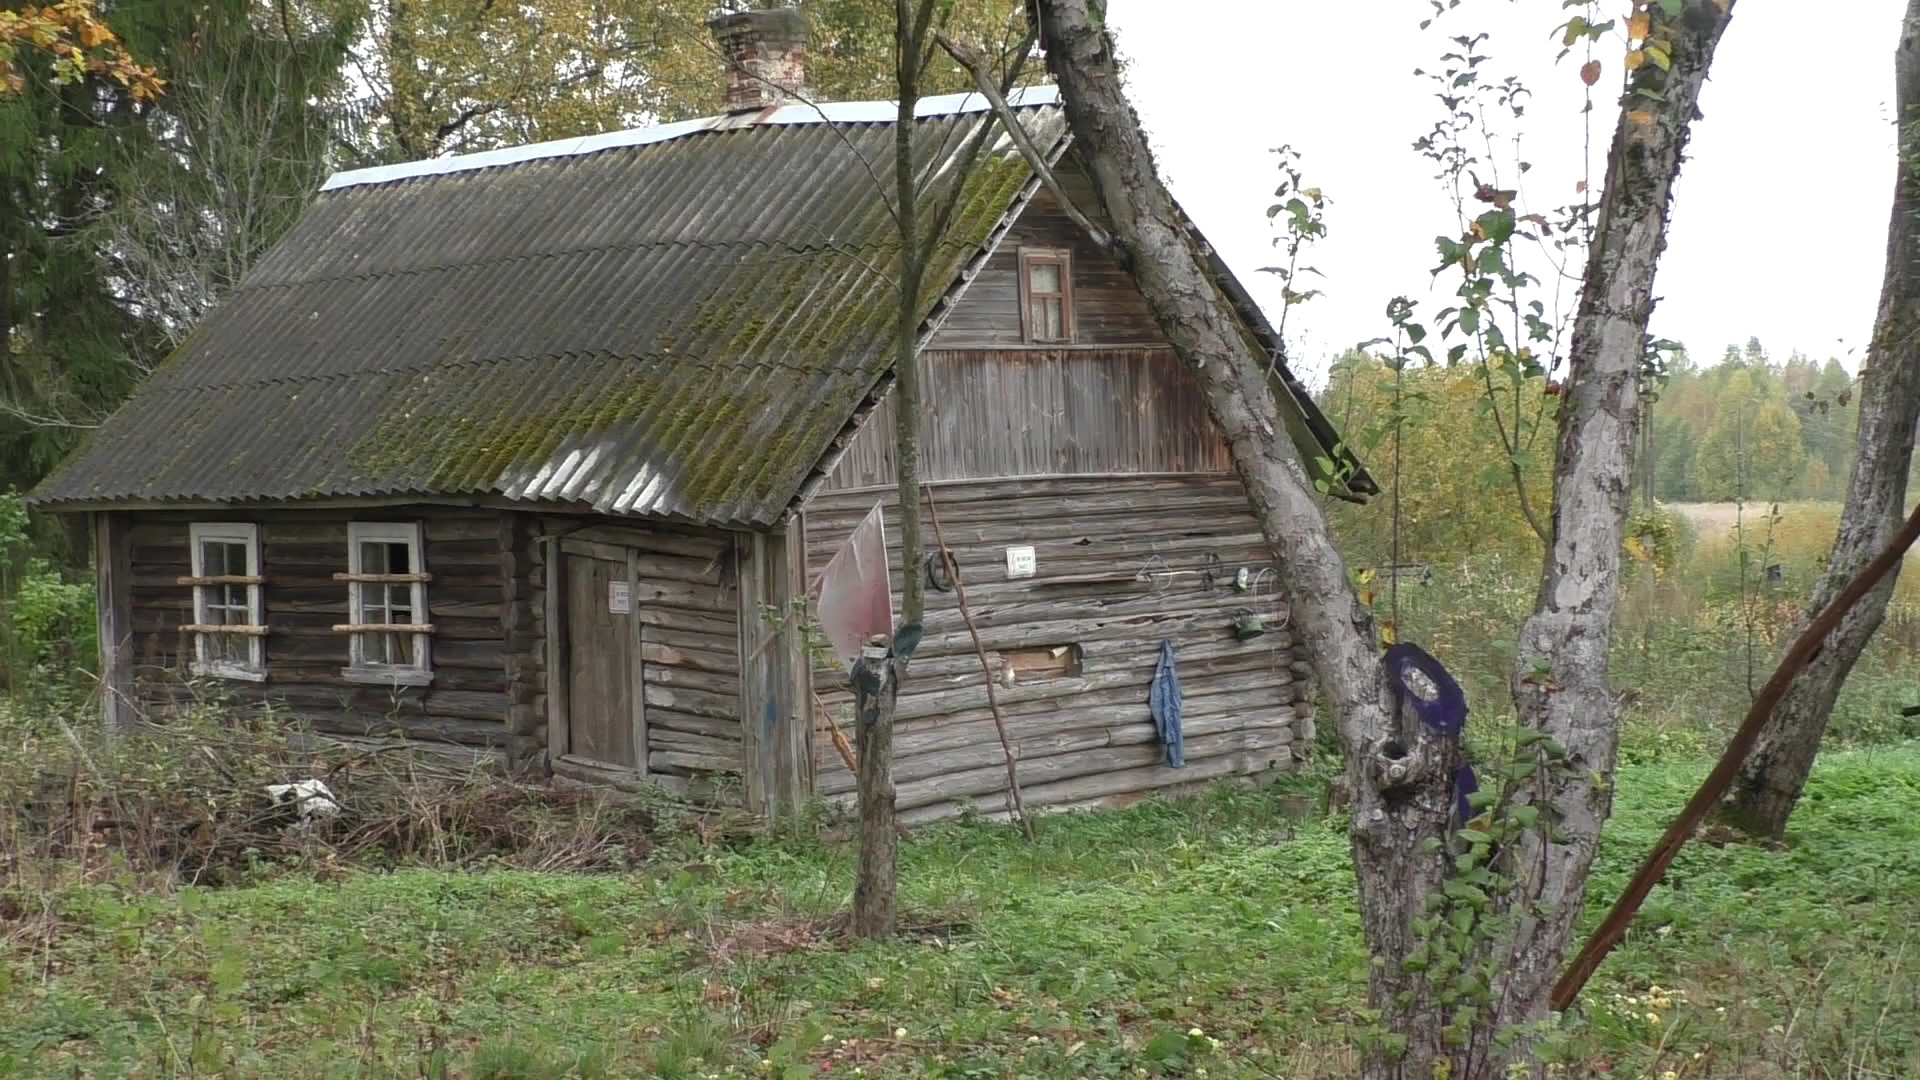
(1046, 295)
(386, 583)
(229, 641)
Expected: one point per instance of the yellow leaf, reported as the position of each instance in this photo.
(1640, 117)
(1636, 58)
(1638, 26)
(1660, 56)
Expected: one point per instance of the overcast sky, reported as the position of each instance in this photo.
(1779, 220)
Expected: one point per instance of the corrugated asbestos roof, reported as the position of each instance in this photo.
(672, 322)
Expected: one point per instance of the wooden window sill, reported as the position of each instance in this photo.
(386, 676)
(220, 671)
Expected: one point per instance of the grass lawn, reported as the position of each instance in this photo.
(1092, 953)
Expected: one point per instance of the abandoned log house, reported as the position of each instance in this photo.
(540, 454)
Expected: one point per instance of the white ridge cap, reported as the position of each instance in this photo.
(833, 112)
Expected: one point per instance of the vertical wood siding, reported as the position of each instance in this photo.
(1054, 412)
(1090, 737)
(467, 704)
(1108, 307)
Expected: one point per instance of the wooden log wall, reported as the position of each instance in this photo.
(1121, 565)
(465, 708)
(688, 605)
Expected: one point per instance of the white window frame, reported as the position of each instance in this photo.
(359, 668)
(234, 532)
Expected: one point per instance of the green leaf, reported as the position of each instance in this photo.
(1498, 225)
(1672, 8)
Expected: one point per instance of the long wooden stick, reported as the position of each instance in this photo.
(993, 700)
(984, 80)
(1805, 648)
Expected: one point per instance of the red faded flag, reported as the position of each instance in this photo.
(856, 589)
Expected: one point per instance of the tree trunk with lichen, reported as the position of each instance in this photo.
(1775, 773)
(1559, 678)
(1400, 774)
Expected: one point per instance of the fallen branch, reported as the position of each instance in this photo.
(983, 79)
(1715, 787)
(993, 700)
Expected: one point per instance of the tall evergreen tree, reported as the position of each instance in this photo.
(124, 216)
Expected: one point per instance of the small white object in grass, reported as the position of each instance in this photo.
(311, 799)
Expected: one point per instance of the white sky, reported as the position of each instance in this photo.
(1779, 219)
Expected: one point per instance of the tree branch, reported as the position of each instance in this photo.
(984, 80)
(1804, 650)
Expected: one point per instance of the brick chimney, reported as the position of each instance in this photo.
(766, 55)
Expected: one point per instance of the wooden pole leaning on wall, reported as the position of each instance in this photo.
(1720, 780)
(986, 669)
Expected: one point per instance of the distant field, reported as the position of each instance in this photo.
(1716, 519)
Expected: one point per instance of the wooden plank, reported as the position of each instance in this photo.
(791, 684)
(220, 579)
(237, 629)
(383, 628)
(636, 661)
(553, 601)
(600, 675)
(113, 603)
(758, 713)
(383, 579)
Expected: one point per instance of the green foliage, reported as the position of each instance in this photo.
(1750, 428)
(1098, 952)
(461, 76)
(48, 633)
(1455, 477)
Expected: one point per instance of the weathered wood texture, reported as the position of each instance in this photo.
(1108, 307)
(1115, 400)
(686, 599)
(776, 695)
(601, 709)
(467, 703)
(1045, 412)
(113, 578)
(1122, 564)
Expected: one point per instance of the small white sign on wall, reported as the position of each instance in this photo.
(619, 597)
(1021, 562)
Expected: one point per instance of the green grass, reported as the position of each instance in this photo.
(1091, 953)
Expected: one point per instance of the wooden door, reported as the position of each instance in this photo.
(606, 724)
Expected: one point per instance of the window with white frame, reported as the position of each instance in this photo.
(386, 581)
(229, 635)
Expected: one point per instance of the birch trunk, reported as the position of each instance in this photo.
(1400, 777)
(1560, 669)
(1770, 782)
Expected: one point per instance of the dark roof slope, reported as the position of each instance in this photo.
(675, 322)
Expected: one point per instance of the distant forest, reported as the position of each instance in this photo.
(1746, 427)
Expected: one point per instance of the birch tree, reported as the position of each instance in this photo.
(1773, 776)
(1465, 944)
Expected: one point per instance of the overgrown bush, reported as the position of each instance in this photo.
(185, 799)
(48, 636)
